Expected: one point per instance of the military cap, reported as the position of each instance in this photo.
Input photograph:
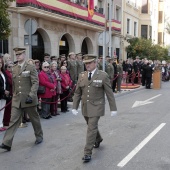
(71, 53)
(62, 55)
(19, 50)
(79, 54)
(46, 54)
(87, 58)
(53, 58)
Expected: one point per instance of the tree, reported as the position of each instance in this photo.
(168, 28)
(144, 48)
(4, 19)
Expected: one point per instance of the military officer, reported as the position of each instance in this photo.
(110, 70)
(25, 85)
(120, 74)
(80, 64)
(91, 88)
(72, 68)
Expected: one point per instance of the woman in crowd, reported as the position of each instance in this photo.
(6, 58)
(56, 76)
(7, 112)
(4, 92)
(66, 83)
(38, 65)
(46, 80)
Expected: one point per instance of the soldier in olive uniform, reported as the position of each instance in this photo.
(72, 68)
(120, 74)
(80, 64)
(110, 70)
(91, 88)
(25, 85)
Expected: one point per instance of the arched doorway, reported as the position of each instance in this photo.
(64, 47)
(87, 46)
(38, 51)
(66, 44)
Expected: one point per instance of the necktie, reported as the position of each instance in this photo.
(89, 78)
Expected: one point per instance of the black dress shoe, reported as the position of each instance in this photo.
(5, 147)
(97, 144)
(86, 158)
(38, 141)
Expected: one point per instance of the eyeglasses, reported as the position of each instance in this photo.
(46, 67)
(64, 62)
(9, 66)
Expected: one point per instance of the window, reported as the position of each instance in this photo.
(144, 31)
(145, 6)
(150, 32)
(135, 29)
(3, 46)
(118, 13)
(160, 16)
(128, 26)
(159, 37)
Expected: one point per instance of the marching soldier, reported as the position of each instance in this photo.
(25, 86)
(80, 64)
(91, 88)
(120, 74)
(72, 68)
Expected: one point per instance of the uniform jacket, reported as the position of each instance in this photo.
(2, 90)
(24, 83)
(72, 68)
(110, 71)
(80, 67)
(44, 81)
(120, 70)
(92, 94)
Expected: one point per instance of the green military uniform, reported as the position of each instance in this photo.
(25, 83)
(92, 96)
(110, 71)
(72, 68)
(119, 78)
(80, 67)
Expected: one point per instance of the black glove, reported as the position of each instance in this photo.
(28, 100)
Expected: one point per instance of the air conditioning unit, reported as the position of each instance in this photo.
(101, 10)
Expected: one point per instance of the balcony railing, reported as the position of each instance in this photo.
(65, 8)
(115, 25)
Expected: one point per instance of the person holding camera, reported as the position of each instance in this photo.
(66, 83)
(25, 85)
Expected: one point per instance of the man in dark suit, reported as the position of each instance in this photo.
(25, 85)
(91, 88)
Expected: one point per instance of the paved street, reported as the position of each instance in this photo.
(136, 139)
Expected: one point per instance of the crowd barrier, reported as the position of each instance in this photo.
(118, 75)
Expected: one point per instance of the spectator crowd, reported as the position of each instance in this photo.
(58, 77)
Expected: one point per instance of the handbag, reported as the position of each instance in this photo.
(41, 90)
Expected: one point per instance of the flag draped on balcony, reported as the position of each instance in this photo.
(91, 7)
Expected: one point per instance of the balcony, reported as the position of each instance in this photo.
(62, 11)
(115, 26)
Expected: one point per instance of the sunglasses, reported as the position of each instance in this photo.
(46, 67)
(9, 66)
(64, 62)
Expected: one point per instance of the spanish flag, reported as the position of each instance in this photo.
(91, 7)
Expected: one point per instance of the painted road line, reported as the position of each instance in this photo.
(140, 146)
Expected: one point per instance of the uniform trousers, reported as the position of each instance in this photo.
(119, 81)
(93, 134)
(16, 115)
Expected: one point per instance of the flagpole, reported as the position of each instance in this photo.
(110, 28)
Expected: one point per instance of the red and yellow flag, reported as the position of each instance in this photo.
(91, 7)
